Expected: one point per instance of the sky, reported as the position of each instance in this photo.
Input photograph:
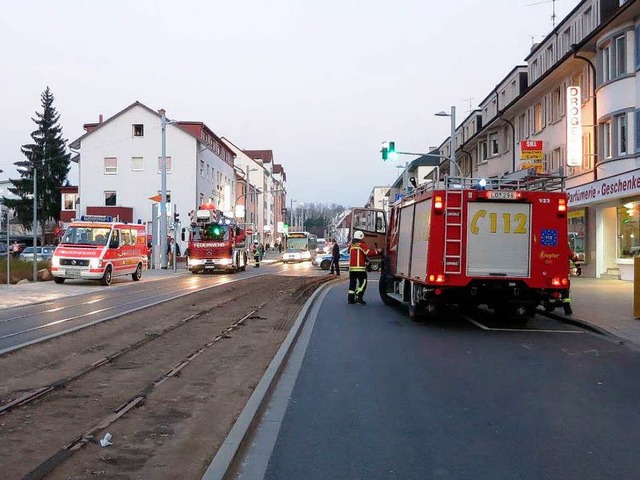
(321, 83)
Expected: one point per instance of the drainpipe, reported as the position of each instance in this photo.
(575, 50)
(500, 115)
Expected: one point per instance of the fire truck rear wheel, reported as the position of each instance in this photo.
(137, 275)
(106, 278)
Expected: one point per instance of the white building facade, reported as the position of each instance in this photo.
(120, 166)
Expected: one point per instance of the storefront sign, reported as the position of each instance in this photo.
(574, 127)
(623, 185)
(531, 150)
(538, 166)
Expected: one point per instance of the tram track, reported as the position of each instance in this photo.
(48, 425)
(99, 313)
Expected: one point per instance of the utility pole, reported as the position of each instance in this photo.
(163, 191)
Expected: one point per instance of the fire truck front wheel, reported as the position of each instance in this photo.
(107, 277)
(137, 275)
(383, 284)
(58, 280)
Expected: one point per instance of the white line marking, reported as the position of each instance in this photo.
(531, 330)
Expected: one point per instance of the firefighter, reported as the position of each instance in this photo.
(566, 295)
(256, 254)
(358, 252)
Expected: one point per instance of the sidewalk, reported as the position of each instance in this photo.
(604, 304)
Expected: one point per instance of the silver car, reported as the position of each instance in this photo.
(42, 253)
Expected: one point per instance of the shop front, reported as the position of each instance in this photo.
(604, 224)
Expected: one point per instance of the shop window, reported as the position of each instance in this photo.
(576, 221)
(629, 230)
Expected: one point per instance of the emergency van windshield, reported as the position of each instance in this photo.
(76, 235)
(209, 233)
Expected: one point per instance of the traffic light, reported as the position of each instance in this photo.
(176, 216)
(388, 148)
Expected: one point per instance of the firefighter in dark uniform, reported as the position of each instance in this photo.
(358, 252)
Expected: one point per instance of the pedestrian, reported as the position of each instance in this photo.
(279, 247)
(170, 251)
(261, 250)
(358, 252)
(335, 258)
(256, 254)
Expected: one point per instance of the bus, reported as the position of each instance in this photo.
(301, 246)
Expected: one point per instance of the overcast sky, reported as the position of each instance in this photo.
(321, 83)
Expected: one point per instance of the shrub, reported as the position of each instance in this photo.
(20, 269)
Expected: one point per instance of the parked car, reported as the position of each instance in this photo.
(42, 253)
(3, 249)
(324, 261)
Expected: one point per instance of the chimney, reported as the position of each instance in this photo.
(100, 118)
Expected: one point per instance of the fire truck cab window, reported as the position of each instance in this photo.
(126, 237)
(210, 233)
(115, 239)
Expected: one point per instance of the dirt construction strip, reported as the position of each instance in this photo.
(168, 401)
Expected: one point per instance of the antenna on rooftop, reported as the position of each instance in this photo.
(553, 10)
(470, 102)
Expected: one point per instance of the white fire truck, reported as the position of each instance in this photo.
(215, 243)
(470, 242)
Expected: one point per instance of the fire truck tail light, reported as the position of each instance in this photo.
(562, 206)
(438, 204)
(559, 282)
(436, 278)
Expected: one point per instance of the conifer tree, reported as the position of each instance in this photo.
(47, 156)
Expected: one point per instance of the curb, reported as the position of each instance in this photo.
(224, 458)
(579, 323)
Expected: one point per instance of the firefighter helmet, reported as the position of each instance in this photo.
(358, 235)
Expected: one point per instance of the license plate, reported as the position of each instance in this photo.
(73, 273)
(501, 195)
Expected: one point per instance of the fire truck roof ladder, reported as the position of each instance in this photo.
(453, 232)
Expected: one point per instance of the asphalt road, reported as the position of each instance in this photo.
(381, 397)
(20, 326)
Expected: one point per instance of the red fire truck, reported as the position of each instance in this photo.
(216, 243)
(470, 242)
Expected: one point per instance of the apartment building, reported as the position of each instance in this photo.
(589, 134)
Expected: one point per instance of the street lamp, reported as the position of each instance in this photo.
(23, 168)
(452, 140)
(163, 188)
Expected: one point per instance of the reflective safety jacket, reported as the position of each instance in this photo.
(359, 253)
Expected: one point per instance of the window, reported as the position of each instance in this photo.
(137, 164)
(494, 144)
(606, 140)
(110, 165)
(125, 236)
(168, 159)
(110, 199)
(586, 22)
(202, 168)
(556, 105)
(621, 122)
(521, 127)
(628, 230)
(621, 55)
(208, 171)
(566, 40)
(576, 222)
(69, 201)
(586, 151)
(606, 63)
(138, 130)
(538, 119)
(482, 151)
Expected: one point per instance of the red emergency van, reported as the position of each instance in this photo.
(97, 248)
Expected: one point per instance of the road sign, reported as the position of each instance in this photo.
(156, 198)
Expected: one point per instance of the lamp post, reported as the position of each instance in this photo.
(291, 217)
(453, 168)
(23, 168)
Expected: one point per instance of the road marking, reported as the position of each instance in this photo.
(532, 330)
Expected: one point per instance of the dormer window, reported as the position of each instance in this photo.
(138, 130)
